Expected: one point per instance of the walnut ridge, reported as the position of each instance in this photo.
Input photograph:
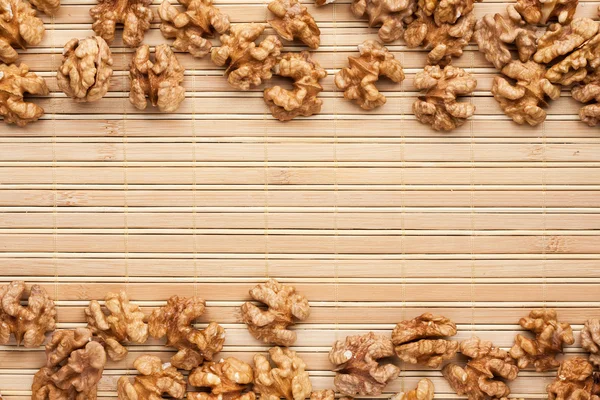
(19, 27)
(154, 380)
(589, 92)
(560, 40)
(15, 81)
(391, 15)
(284, 377)
(49, 7)
(540, 12)
(423, 391)
(134, 15)
(227, 380)
(575, 379)
(575, 66)
(294, 21)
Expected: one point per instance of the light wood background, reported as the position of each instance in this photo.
(373, 216)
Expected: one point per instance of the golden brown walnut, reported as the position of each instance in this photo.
(540, 12)
(134, 15)
(559, 40)
(283, 303)
(86, 69)
(287, 378)
(49, 7)
(589, 92)
(439, 106)
(575, 66)
(391, 15)
(358, 80)
(124, 323)
(160, 81)
(446, 11)
(357, 368)
(227, 380)
(590, 334)
(420, 340)
(294, 21)
(327, 394)
(302, 99)
(174, 321)
(28, 323)
(423, 391)
(154, 380)
(19, 26)
(575, 380)
(15, 81)
(248, 64)
(480, 378)
(550, 336)
(524, 100)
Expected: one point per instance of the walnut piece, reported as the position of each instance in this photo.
(174, 321)
(559, 40)
(550, 335)
(294, 21)
(283, 303)
(15, 81)
(358, 80)
(287, 378)
(29, 324)
(391, 15)
(19, 26)
(540, 12)
(590, 334)
(524, 100)
(125, 323)
(575, 380)
(478, 380)
(357, 368)
(446, 11)
(327, 394)
(302, 100)
(86, 69)
(49, 7)
(135, 15)
(227, 379)
(588, 92)
(160, 81)
(572, 68)
(154, 380)
(417, 340)
(423, 391)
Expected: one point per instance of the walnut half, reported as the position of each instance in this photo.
(294, 21)
(135, 15)
(287, 378)
(154, 380)
(15, 81)
(391, 15)
(19, 27)
(227, 379)
(590, 334)
(575, 380)
(423, 391)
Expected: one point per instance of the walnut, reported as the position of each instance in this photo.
(135, 15)
(249, 64)
(539, 12)
(160, 81)
(283, 303)
(287, 378)
(590, 114)
(294, 21)
(358, 80)
(227, 379)
(575, 380)
(550, 335)
(190, 29)
(559, 40)
(14, 82)
(391, 15)
(356, 364)
(29, 324)
(154, 380)
(590, 335)
(19, 26)
(327, 394)
(416, 344)
(86, 69)
(423, 391)
(524, 100)
(302, 100)
(478, 380)
(174, 321)
(49, 7)
(125, 323)
(572, 68)
(446, 11)
(439, 107)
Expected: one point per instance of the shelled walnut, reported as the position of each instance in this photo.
(174, 321)
(589, 92)
(248, 64)
(358, 80)
(439, 106)
(590, 334)
(421, 340)
(575, 379)
(559, 40)
(191, 28)
(357, 368)
(423, 391)
(134, 15)
(284, 304)
(19, 27)
(228, 379)
(15, 81)
(160, 81)
(86, 69)
(287, 378)
(302, 100)
(391, 15)
(446, 11)
(550, 336)
(154, 380)
(294, 21)
(480, 378)
(575, 66)
(124, 323)
(540, 12)
(30, 323)
(49, 7)
(327, 394)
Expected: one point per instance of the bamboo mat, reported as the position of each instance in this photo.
(373, 216)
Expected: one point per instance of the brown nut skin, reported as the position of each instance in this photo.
(540, 12)
(302, 100)
(358, 371)
(287, 378)
(86, 69)
(227, 380)
(134, 15)
(174, 321)
(550, 336)
(154, 380)
(575, 380)
(294, 21)
(160, 81)
(423, 391)
(560, 40)
(575, 66)
(283, 303)
(19, 27)
(589, 92)
(358, 80)
(391, 15)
